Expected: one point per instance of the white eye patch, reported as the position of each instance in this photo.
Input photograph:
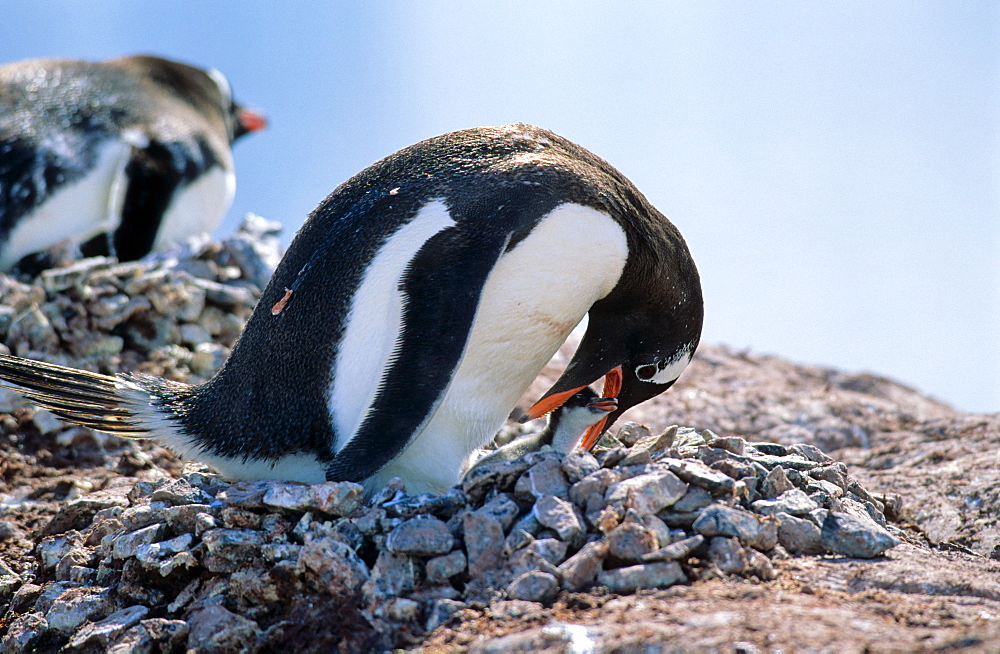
(665, 371)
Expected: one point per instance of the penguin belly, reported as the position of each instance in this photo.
(197, 207)
(76, 211)
(533, 298)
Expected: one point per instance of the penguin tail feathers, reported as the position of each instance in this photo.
(123, 405)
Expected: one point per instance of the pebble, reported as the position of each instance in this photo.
(676, 551)
(126, 545)
(799, 535)
(580, 569)
(721, 520)
(647, 575)
(76, 606)
(647, 493)
(792, 502)
(847, 535)
(484, 540)
(424, 536)
(106, 631)
(534, 586)
(442, 568)
(560, 516)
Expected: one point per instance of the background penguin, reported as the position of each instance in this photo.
(413, 309)
(566, 426)
(121, 157)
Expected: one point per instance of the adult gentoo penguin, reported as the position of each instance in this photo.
(411, 312)
(120, 157)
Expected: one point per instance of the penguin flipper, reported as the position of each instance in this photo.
(442, 289)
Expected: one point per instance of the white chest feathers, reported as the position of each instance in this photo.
(533, 298)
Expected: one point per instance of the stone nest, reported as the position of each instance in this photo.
(195, 563)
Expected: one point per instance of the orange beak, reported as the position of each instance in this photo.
(612, 387)
(251, 121)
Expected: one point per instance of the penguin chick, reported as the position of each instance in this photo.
(121, 157)
(566, 426)
(411, 313)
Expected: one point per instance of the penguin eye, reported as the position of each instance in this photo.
(646, 372)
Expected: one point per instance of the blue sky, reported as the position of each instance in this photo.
(835, 167)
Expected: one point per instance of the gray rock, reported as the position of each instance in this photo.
(560, 516)
(484, 539)
(595, 482)
(810, 452)
(22, 634)
(75, 558)
(695, 499)
(233, 544)
(152, 635)
(630, 542)
(422, 536)
(611, 458)
(647, 493)
(336, 498)
(245, 494)
(799, 535)
(180, 491)
(550, 549)
(697, 473)
(848, 535)
(443, 506)
(335, 564)
(75, 606)
(727, 555)
(106, 631)
(734, 444)
(139, 516)
(442, 568)
(578, 464)
(676, 551)
(51, 550)
(544, 478)
(721, 520)
(582, 568)
(793, 502)
(441, 611)
(647, 575)
(775, 483)
(217, 629)
(501, 475)
(501, 508)
(631, 433)
(183, 518)
(126, 545)
(151, 555)
(395, 574)
(526, 560)
(534, 586)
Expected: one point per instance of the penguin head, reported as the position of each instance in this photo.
(570, 422)
(639, 353)
(207, 91)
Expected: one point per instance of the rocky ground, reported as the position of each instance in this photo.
(865, 518)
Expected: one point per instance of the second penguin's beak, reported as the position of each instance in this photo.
(544, 406)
